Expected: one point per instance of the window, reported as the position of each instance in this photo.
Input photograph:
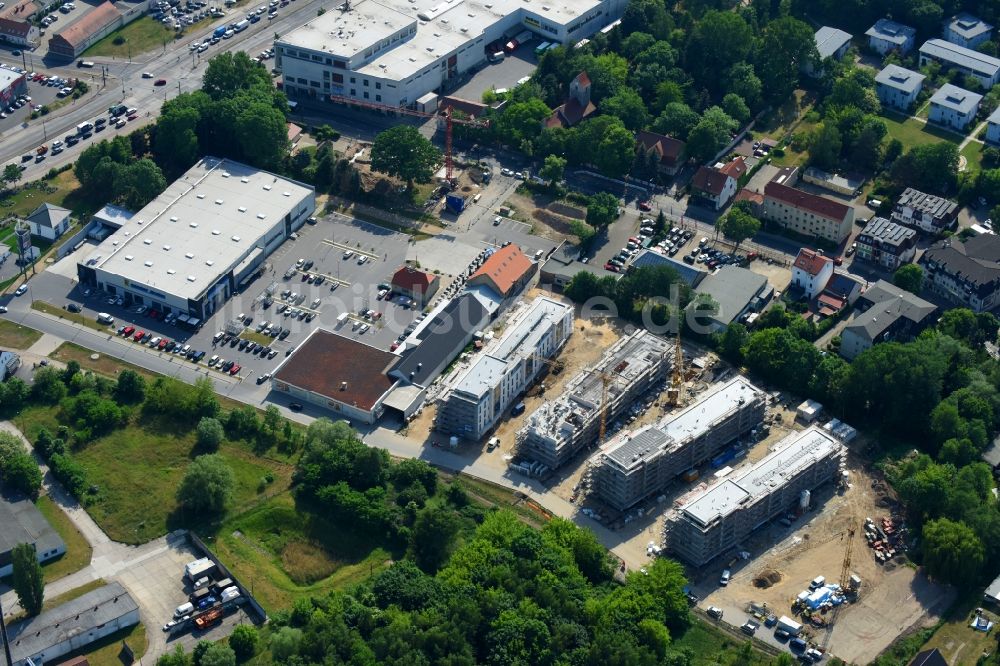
(365, 83)
(352, 80)
(366, 94)
(326, 74)
(378, 85)
(378, 98)
(354, 92)
(314, 84)
(302, 81)
(338, 78)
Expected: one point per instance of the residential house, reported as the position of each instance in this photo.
(886, 244)
(578, 107)
(925, 212)
(15, 23)
(967, 273)
(993, 127)
(416, 284)
(806, 213)
(966, 30)
(929, 658)
(898, 87)
(294, 133)
(992, 593)
(718, 184)
(887, 36)
(986, 69)
(49, 221)
(668, 151)
(74, 39)
(735, 290)
(565, 264)
(954, 107)
(887, 313)
(811, 270)
(840, 291)
(830, 43)
(505, 272)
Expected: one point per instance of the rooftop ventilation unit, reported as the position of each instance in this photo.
(218, 202)
(225, 174)
(216, 232)
(244, 180)
(128, 257)
(170, 271)
(148, 264)
(173, 219)
(148, 241)
(236, 239)
(261, 216)
(200, 196)
(190, 278)
(189, 255)
(267, 187)
(193, 225)
(242, 209)
(166, 248)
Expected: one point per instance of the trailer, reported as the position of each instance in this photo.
(788, 624)
(455, 203)
(198, 568)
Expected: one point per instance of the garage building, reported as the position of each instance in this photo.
(23, 523)
(203, 239)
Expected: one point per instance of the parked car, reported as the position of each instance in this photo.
(715, 612)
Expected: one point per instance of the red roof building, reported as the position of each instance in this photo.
(718, 184)
(811, 271)
(669, 151)
(806, 213)
(506, 271)
(577, 107)
(78, 36)
(416, 284)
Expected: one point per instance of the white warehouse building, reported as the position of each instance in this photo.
(205, 237)
(393, 52)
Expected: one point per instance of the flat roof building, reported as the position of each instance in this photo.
(713, 520)
(691, 275)
(638, 464)
(12, 84)
(564, 426)
(979, 65)
(73, 625)
(954, 107)
(887, 35)
(736, 291)
(479, 393)
(392, 53)
(23, 523)
(966, 30)
(201, 240)
(898, 87)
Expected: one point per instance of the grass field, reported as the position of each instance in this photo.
(973, 154)
(17, 336)
(78, 551)
(913, 132)
(140, 36)
(104, 365)
(284, 554)
(957, 641)
(64, 193)
(711, 646)
(259, 338)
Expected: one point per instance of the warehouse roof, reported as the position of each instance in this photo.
(900, 78)
(202, 226)
(441, 339)
(734, 288)
(959, 55)
(957, 99)
(648, 258)
(24, 523)
(79, 616)
(8, 77)
(340, 368)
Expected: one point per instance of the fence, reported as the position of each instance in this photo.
(226, 573)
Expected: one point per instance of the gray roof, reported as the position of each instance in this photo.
(889, 31)
(888, 232)
(24, 523)
(930, 204)
(900, 78)
(968, 26)
(49, 215)
(889, 305)
(442, 339)
(977, 260)
(733, 288)
(959, 55)
(958, 99)
(992, 456)
(569, 270)
(115, 215)
(650, 258)
(830, 40)
(52, 627)
(994, 118)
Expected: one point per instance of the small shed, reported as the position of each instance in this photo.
(809, 411)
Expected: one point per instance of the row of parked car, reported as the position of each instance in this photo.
(160, 343)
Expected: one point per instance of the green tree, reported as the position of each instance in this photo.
(553, 168)
(28, 582)
(718, 41)
(732, 341)
(953, 552)
(175, 657)
(207, 485)
(138, 183)
(285, 643)
(787, 44)
(175, 145)
(433, 537)
(230, 72)
(521, 121)
(738, 225)
(931, 167)
(825, 145)
(218, 654)
(743, 81)
(735, 107)
(647, 16)
(909, 277)
(262, 132)
(48, 386)
(11, 174)
(677, 120)
(627, 106)
(209, 434)
(403, 152)
(20, 473)
(130, 387)
(602, 209)
(615, 152)
(244, 641)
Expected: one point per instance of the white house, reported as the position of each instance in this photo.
(811, 271)
(986, 69)
(887, 35)
(954, 107)
(898, 87)
(718, 184)
(966, 30)
(49, 222)
(993, 127)
(830, 43)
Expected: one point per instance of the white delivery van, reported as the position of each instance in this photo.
(105, 318)
(183, 609)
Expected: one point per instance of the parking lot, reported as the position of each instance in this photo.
(498, 75)
(41, 95)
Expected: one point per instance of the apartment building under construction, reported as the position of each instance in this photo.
(637, 464)
(560, 428)
(715, 519)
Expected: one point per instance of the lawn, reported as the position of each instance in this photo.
(957, 641)
(139, 36)
(74, 317)
(284, 554)
(60, 191)
(78, 551)
(104, 365)
(259, 338)
(106, 651)
(973, 154)
(712, 646)
(912, 132)
(17, 336)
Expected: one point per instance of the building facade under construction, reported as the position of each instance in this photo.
(637, 464)
(561, 428)
(715, 519)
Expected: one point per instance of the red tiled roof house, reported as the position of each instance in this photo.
(718, 184)
(807, 214)
(505, 272)
(416, 284)
(811, 271)
(668, 151)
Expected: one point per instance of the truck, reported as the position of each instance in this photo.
(198, 568)
(786, 623)
(241, 26)
(84, 63)
(208, 618)
(85, 128)
(117, 110)
(518, 39)
(220, 31)
(455, 203)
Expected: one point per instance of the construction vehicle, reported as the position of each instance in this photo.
(449, 123)
(208, 618)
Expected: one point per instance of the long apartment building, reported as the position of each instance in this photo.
(717, 518)
(560, 428)
(807, 213)
(478, 394)
(638, 464)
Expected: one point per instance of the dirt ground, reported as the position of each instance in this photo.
(533, 210)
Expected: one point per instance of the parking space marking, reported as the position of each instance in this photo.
(355, 250)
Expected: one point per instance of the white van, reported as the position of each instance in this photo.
(105, 318)
(183, 609)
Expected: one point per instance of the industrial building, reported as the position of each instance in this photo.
(12, 84)
(638, 464)
(198, 243)
(713, 520)
(563, 427)
(478, 394)
(72, 626)
(393, 53)
(23, 523)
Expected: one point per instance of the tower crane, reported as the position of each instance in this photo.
(450, 122)
(845, 583)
